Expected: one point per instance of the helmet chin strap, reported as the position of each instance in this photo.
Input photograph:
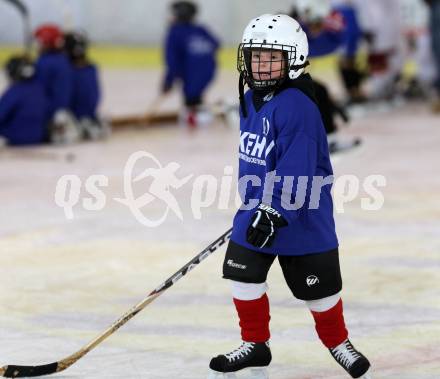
(297, 67)
(241, 83)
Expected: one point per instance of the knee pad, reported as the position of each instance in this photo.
(248, 291)
(324, 304)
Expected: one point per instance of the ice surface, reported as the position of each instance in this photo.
(62, 282)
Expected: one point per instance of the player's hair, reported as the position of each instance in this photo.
(184, 11)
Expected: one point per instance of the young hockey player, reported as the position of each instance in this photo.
(86, 91)
(53, 71)
(190, 56)
(23, 105)
(282, 136)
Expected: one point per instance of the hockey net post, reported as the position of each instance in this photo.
(18, 371)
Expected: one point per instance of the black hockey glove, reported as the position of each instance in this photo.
(263, 227)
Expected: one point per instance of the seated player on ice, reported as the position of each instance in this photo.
(54, 72)
(86, 92)
(281, 133)
(23, 105)
(190, 57)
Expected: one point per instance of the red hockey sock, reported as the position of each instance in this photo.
(330, 326)
(254, 319)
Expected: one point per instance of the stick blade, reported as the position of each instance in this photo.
(14, 371)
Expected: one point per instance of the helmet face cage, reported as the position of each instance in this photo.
(251, 54)
(19, 68)
(75, 44)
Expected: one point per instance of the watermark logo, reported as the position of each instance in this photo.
(153, 191)
(163, 181)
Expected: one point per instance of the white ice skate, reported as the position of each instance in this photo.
(367, 375)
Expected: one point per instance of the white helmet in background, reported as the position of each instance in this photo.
(311, 11)
(273, 32)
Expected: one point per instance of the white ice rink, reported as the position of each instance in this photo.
(62, 282)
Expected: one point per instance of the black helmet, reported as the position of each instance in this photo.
(19, 68)
(184, 11)
(75, 44)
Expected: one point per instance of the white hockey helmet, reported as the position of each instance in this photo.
(273, 32)
(310, 11)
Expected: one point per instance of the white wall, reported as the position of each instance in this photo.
(134, 21)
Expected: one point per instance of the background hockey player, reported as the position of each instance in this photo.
(23, 106)
(327, 32)
(350, 72)
(190, 57)
(54, 72)
(380, 21)
(86, 92)
(415, 25)
(332, 27)
(281, 133)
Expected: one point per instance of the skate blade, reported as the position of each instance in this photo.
(250, 373)
(220, 375)
(367, 375)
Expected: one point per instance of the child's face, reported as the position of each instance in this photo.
(267, 64)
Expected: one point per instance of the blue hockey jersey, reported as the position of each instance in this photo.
(190, 55)
(345, 39)
(286, 136)
(85, 92)
(352, 30)
(23, 109)
(54, 72)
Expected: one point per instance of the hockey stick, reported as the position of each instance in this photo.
(15, 371)
(170, 118)
(151, 116)
(19, 5)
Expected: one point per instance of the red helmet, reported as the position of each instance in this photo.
(49, 36)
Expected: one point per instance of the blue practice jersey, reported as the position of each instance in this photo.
(325, 43)
(286, 135)
(190, 54)
(352, 30)
(23, 109)
(86, 91)
(54, 72)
